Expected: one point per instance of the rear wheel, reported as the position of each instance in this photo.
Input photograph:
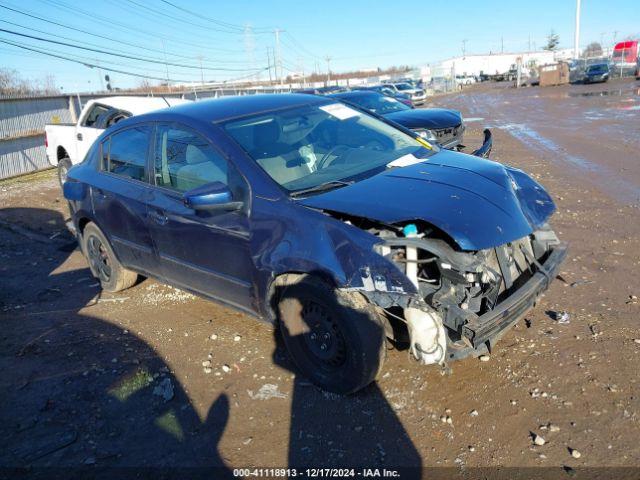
(335, 338)
(63, 169)
(103, 263)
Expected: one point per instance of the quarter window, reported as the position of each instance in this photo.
(185, 160)
(125, 153)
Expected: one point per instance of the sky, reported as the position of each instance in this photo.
(222, 40)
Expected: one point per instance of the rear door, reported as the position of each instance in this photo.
(203, 251)
(118, 196)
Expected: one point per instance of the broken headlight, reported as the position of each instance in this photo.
(427, 134)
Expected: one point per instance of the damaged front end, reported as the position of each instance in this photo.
(464, 300)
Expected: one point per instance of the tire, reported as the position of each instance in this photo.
(103, 263)
(63, 169)
(335, 338)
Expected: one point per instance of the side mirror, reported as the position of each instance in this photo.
(211, 197)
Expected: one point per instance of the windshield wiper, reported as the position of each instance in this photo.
(321, 187)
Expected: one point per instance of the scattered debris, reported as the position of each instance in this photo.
(473, 413)
(553, 428)
(267, 392)
(226, 368)
(574, 453)
(213, 336)
(206, 363)
(164, 389)
(237, 338)
(485, 358)
(537, 439)
(207, 370)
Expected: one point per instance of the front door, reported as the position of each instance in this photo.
(207, 252)
(118, 196)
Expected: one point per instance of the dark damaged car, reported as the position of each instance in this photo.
(440, 125)
(336, 225)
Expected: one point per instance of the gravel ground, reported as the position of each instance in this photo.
(156, 377)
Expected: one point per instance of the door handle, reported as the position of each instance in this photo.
(79, 136)
(100, 194)
(158, 217)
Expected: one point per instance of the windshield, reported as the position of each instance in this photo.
(404, 86)
(597, 68)
(310, 145)
(378, 103)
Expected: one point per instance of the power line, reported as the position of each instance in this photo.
(31, 15)
(93, 65)
(131, 57)
(239, 28)
(101, 46)
(115, 25)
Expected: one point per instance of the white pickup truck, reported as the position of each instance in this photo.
(68, 143)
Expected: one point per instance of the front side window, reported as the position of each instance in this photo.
(125, 152)
(306, 146)
(184, 160)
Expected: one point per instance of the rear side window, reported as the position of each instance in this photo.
(125, 153)
(94, 114)
(184, 160)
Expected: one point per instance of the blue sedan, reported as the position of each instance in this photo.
(341, 228)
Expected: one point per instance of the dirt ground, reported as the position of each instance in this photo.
(155, 377)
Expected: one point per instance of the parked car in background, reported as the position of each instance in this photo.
(625, 57)
(330, 222)
(403, 98)
(418, 95)
(465, 79)
(67, 143)
(439, 125)
(596, 73)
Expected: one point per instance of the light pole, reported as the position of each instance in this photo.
(576, 43)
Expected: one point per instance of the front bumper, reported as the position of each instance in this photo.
(488, 328)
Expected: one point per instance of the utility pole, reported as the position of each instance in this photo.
(100, 75)
(269, 65)
(279, 56)
(166, 65)
(464, 47)
(576, 42)
(201, 70)
(328, 60)
(529, 42)
(249, 46)
(501, 44)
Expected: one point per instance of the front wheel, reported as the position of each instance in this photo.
(335, 338)
(64, 165)
(103, 263)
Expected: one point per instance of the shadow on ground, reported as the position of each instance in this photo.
(81, 395)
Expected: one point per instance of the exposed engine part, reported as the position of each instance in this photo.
(455, 287)
(427, 334)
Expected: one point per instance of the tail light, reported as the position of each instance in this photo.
(46, 142)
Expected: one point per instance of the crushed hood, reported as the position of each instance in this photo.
(479, 203)
(426, 118)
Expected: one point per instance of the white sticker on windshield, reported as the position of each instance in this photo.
(405, 161)
(340, 111)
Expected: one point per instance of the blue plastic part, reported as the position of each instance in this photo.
(410, 230)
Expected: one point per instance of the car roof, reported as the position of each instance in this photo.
(139, 105)
(356, 94)
(225, 108)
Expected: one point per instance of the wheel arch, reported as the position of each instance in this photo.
(61, 153)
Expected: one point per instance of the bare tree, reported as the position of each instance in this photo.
(11, 83)
(594, 49)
